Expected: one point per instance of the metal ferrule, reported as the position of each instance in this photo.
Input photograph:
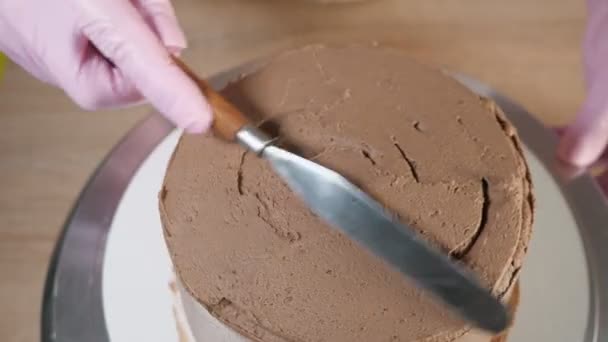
(253, 139)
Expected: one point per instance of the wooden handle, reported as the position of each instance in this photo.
(227, 119)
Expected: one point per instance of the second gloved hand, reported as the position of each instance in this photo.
(586, 139)
(105, 53)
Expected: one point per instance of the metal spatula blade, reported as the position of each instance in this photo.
(347, 208)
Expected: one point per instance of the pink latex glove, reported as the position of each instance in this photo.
(586, 139)
(105, 53)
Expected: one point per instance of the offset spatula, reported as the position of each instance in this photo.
(346, 207)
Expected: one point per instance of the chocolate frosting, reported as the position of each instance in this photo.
(446, 161)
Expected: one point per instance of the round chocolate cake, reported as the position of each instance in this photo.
(446, 161)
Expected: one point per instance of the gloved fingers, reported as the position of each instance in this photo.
(584, 142)
(602, 159)
(160, 16)
(140, 56)
(586, 139)
(599, 168)
(98, 84)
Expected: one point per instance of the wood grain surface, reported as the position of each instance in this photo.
(528, 49)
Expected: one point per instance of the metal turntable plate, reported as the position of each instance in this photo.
(108, 280)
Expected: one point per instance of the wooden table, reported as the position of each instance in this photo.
(529, 49)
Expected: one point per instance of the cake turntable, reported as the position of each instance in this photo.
(110, 275)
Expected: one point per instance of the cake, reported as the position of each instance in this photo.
(255, 264)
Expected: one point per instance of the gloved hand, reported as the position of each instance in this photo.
(585, 140)
(105, 53)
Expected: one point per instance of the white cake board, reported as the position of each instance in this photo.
(110, 275)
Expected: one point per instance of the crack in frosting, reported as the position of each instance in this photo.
(410, 163)
(460, 252)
